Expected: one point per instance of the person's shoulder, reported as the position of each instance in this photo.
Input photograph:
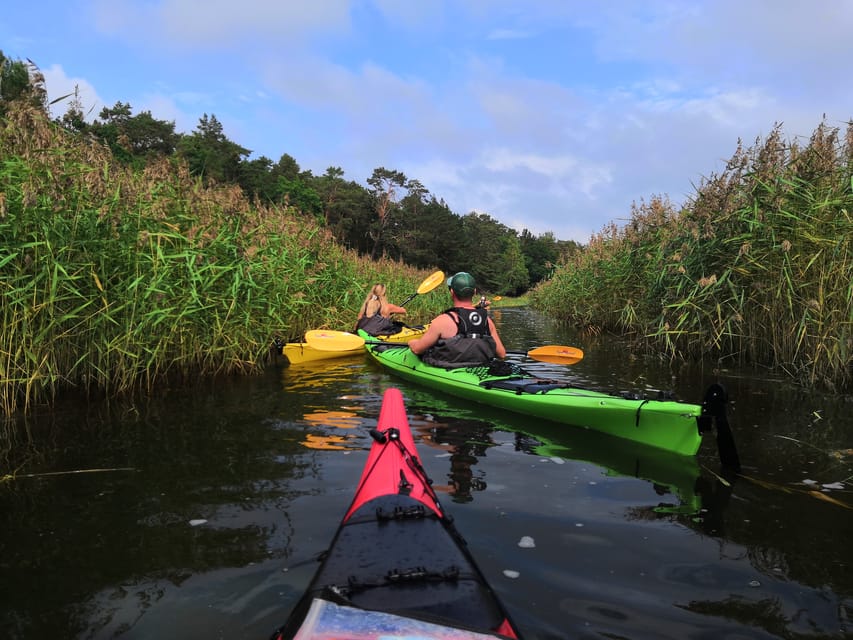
(444, 317)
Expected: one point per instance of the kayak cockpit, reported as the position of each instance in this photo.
(521, 385)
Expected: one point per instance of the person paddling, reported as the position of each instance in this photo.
(375, 314)
(462, 336)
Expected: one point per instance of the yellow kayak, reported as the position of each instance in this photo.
(299, 352)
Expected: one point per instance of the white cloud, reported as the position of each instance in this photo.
(59, 84)
(504, 160)
(165, 108)
(550, 113)
(215, 24)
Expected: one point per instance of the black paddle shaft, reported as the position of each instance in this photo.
(714, 406)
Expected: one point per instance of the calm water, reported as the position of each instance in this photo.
(213, 503)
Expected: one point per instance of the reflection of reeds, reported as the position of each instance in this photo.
(114, 279)
(757, 268)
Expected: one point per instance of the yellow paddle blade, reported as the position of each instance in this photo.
(431, 282)
(426, 286)
(556, 354)
(326, 340)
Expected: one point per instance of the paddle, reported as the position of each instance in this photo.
(324, 340)
(426, 286)
(555, 353)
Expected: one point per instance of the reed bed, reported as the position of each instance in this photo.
(115, 280)
(757, 268)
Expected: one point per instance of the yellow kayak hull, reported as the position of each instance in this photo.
(299, 352)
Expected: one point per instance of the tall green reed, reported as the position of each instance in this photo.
(756, 268)
(115, 280)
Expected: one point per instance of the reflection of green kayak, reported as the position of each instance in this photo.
(673, 477)
(661, 423)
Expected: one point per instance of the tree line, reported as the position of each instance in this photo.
(392, 216)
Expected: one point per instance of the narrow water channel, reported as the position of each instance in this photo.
(199, 513)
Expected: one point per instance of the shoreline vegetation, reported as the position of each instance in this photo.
(117, 277)
(755, 270)
(115, 280)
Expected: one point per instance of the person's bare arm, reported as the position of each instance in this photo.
(500, 349)
(392, 308)
(437, 329)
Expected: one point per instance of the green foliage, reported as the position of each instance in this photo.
(385, 187)
(287, 168)
(113, 279)
(210, 154)
(257, 180)
(20, 82)
(394, 216)
(757, 268)
(493, 255)
(328, 187)
(540, 255)
(299, 195)
(134, 139)
(431, 231)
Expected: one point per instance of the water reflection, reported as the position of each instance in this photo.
(465, 442)
(331, 419)
(673, 478)
(628, 543)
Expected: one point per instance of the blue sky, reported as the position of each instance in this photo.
(550, 115)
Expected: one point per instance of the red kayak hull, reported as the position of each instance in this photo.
(397, 554)
(388, 467)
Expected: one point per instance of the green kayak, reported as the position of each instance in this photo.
(658, 422)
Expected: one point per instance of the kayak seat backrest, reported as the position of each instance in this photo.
(525, 385)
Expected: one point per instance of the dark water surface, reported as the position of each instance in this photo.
(214, 501)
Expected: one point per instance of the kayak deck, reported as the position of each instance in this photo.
(394, 555)
(300, 352)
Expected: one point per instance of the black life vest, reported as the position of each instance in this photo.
(472, 346)
(376, 325)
